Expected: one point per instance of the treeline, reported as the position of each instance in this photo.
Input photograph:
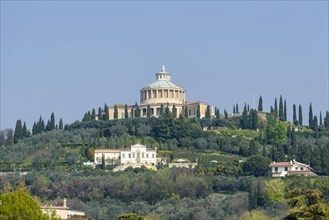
(106, 196)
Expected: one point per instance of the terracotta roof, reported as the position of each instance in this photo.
(280, 164)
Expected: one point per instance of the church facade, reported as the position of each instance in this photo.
(162, 92)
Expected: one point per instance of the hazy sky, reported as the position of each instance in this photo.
(70, 57)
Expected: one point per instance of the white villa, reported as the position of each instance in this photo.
(282, 169)
(136, 156)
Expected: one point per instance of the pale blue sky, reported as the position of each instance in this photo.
(70, 57)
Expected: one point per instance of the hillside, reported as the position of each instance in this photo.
(227, 188)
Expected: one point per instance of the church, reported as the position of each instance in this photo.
(161, 92)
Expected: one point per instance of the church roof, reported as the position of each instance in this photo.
(162, 83)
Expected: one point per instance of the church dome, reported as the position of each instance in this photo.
(162, 90)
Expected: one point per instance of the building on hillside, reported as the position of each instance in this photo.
(162, 92)
(182, 162)
(136, 156)
(282, 169)
(61, 210)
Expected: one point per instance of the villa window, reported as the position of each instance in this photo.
(302, 168)
(147, 155)
(133, 155)
(129, 155)
(123, 155)
(286, 169)
(152, 155)
(142, 155)
(276, 169)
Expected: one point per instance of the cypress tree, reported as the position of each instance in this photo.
(198, 113)
(174, 111)
(326, 121)
(106, 110)
(148, 111)
(285, 110)
(217, 112)
(126, 111)
(115, 113)
(236, 108)
(272, 110)
(225, 114)
(48, 126)
(208, 112)
(300, 115)
(248, 108)
(281, 113)
(244, 122)
(233, 109)
(18, 131)
(93, 114)
(310, 117)
(99, 113)
(138, 112)
(161, 109)
(186, 111)
(294, 115)
(52, 121)
(34, 128)
(60, 126)
(254, 119)
(320, 123)
(25, 131)
(275, 108)
(260, 104)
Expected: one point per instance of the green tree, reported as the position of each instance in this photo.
(276, 108)
(256, 165)
(25, 131)
(307, 204)
(225, 114)
(93, 114)
(233, 109)
(186, 111)
(174, 111)
(320, 123)
(60, 126)
(130, 216)
(148, 111)
(310, 117)
(285, 110)
(99, 115)
(277, 133)
(18, 131)
(274, 190)
(107, 113)
(115, 113)
(236, 108)
(126, 111)
(253, 147)
(260, 104)
(300, 115)
(217, 113)
(281, 112)
(198, 111)
(294, 115)
(244, 122)
(137, 112)
(326, 120)
(9, 137)
(208, 112)
(52, 122)
(21, 205)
